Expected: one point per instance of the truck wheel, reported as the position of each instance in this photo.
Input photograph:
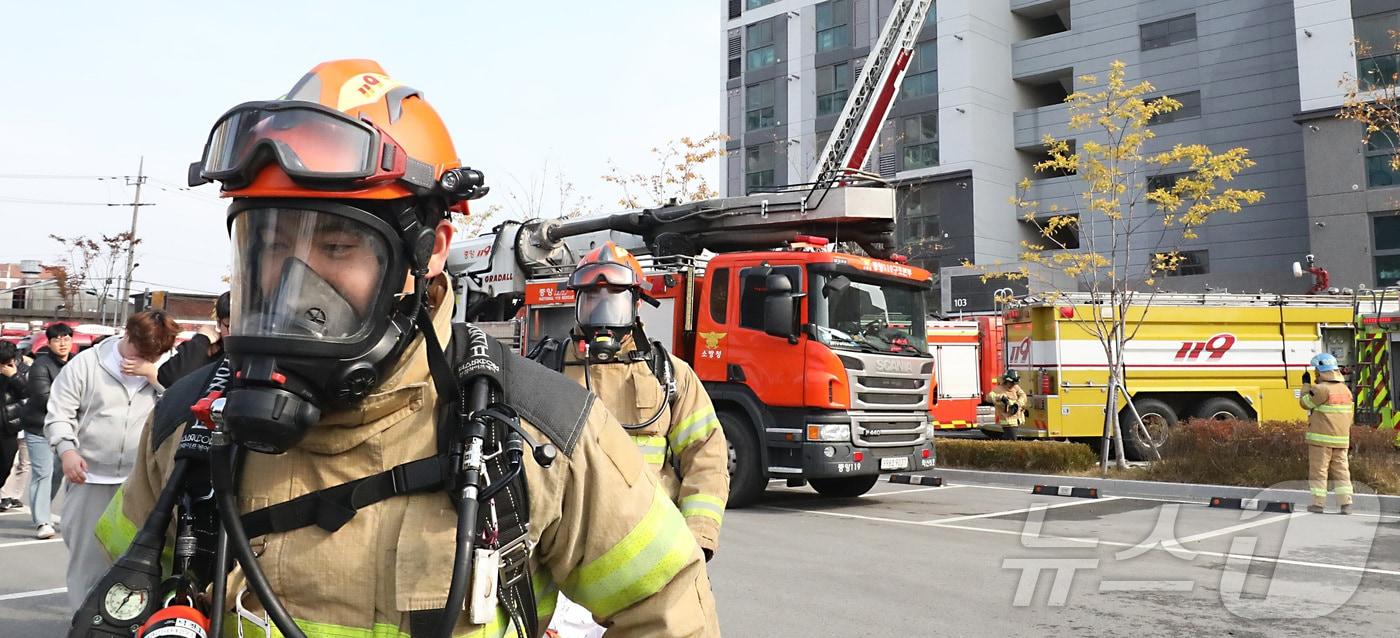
(746, 477)
(1159, 419)
(845, 487)
(1221, 409)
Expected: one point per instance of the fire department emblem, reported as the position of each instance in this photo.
(712, 338)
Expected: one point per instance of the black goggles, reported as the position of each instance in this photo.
(316, 146)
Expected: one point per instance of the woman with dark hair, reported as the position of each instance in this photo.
(12, 396)
(96, 410)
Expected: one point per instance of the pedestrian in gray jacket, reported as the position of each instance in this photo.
(97, 407)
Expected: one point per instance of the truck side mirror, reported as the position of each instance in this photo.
(779, 307)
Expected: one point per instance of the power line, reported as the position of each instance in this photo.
(54, 202)
(54, 176)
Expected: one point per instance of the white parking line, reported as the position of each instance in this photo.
(1235, 528)
(14, 512)
(34, 594)
(1091, 541)
(1024, 510)
(33, 542)
(839, 515)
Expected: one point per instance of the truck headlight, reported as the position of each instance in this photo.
(829, 432)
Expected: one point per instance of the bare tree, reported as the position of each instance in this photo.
(677, 176)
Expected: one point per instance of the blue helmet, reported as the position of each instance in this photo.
(1324, 362)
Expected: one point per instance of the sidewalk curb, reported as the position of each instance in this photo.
(1153, 489)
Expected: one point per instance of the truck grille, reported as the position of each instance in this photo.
(891, 383)
(880, 433)
(891, 399)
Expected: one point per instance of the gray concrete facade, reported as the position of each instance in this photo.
(1003, 69)
(1351, 194)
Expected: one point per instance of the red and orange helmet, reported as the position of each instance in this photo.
(608, 265)
(345, 130)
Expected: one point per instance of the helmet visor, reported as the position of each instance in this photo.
(605, 307)
(305, 274)
(603, 274)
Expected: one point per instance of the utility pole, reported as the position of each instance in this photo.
(136, 204)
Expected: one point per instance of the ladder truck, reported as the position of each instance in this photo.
(816, 360)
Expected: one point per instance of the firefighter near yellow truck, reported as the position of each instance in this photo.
(1329, 406)
(1211, 356)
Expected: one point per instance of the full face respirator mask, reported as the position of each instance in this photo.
(318, 318)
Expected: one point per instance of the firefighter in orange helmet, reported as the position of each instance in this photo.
(658, 398)
(340, 318)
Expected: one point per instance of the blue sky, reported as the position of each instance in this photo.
(93, 86)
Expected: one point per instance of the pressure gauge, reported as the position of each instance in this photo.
(124, 603)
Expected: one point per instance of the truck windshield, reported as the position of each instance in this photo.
(868, 314)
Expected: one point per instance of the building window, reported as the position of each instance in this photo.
(736, 54)
(1386, 231)
(719, 294)
(833, 85)
(1193, 262)
(1377, 60)
(1380, 153)
(1165, 33)
(758, 105)
(1164, 182)
(921, 141)
(833, 25)
(758, 166)
(922, 76)
(919, 230)
(762, 52)
(754, 4)
(1190, 109)
(17, 298)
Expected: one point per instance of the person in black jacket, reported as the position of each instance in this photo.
(12, 395)
(47, 364)
(204, 348)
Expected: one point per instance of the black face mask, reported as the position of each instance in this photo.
(302, 341)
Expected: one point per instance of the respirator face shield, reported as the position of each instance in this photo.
(605, 315)
(314, 319)
(306, 275)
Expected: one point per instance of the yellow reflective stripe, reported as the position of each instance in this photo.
(1328, 439)
(1308, 401)
(710, 507)
(546, 597)
(693, 428)
(314, 630)
(1332, 408)
(546, 594)
(1318, 491)
(1345, 490)
(653, 448)
(639, 565)
(114, 530)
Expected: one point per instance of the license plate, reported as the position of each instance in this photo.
(894, 463)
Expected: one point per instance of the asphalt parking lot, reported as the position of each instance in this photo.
(977, 560)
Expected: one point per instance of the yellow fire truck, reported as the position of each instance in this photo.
(1194, 356)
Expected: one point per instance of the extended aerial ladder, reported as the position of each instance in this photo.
(493, 268)
(875, 90)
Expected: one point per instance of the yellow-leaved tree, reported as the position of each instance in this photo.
(1136, 211)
